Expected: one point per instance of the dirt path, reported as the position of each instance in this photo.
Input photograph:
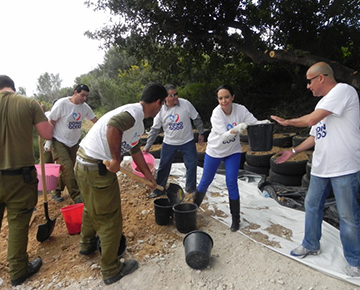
(236, 262)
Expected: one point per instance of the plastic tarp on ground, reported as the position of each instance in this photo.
(266, 212)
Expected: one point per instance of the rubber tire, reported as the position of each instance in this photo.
(156, 153)
(288, 167)
(256, 169)
(288, 180)
(308, 168)
(298, 139)
(258, 160)
(285, 141)
(305, 180)
(244, 138)
(200, 158)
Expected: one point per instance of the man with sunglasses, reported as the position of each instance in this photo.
(175, 120)
(335, 133)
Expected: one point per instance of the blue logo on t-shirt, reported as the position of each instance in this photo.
(320, 131)
(175, 125)
(230, 126)
(76, 124)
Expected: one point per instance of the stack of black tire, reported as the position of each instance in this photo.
(292, 172)
(260, 163)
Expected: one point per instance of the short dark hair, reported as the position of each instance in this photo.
(170, 87)
(154, 92)
(6, 82)
(225, 87)
(82, 87)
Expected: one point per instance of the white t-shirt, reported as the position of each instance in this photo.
(95, 143)
(176, 122)
(220, 142)
(337, 137)
(69, 117)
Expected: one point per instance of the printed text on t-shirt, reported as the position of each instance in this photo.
(320, 131)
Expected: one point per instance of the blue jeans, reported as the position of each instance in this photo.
(345, 190)
(232, 165)
(189, 154)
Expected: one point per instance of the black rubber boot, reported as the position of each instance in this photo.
(235, 214)
(198, 197)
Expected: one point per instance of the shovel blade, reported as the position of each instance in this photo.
(175, 193)
(45, 230)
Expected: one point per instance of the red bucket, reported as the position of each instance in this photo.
(72, 215)
(52, 172)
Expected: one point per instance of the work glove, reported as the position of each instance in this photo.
(239, 129)
(48, 145)
(263, 122)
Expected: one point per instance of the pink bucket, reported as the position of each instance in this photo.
(52, 172)
(150, 161)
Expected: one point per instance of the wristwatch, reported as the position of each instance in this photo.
(293, 150)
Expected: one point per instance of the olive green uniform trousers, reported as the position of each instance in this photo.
(19, 199)
(101, 215)
(66, 156)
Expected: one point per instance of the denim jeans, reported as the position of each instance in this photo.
(345, 190)
(232, 165)
(188, 151)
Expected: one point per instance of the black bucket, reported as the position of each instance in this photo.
(198, 245)
(185, 217)
(122, 246)
(261, 137)
(163, 211)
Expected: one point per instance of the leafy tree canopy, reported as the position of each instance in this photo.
(266, 31)
(48, 87)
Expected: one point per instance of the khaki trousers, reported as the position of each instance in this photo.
(66, 156)
(102, 214)
(19, 199)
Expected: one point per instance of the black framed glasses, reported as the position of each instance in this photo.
(308, 81)
(174, 95)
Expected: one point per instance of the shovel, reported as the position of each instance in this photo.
(44, 230)
(174, 192)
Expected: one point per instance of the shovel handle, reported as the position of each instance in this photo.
(136, 177)
(43, 176)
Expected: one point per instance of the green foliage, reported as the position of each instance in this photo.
(202, 96)
(48, 87)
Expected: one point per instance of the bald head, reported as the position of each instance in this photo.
(321, 68)
(320, 79)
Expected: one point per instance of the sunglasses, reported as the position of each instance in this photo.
(308, 81)
(173, 95)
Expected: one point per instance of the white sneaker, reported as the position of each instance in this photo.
(352, 271)
(302, 252)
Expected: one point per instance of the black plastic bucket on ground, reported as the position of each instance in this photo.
(198, 245)
(185, 217)
(122, 246)
(163, 211)
(261, 137)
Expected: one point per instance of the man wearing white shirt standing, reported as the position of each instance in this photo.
(67, 116)
(335, 134)
(175, 119)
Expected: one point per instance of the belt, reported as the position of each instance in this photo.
(16, 171)
(84, 165)
(86, 162)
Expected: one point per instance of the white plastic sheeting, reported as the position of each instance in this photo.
(265, 212)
